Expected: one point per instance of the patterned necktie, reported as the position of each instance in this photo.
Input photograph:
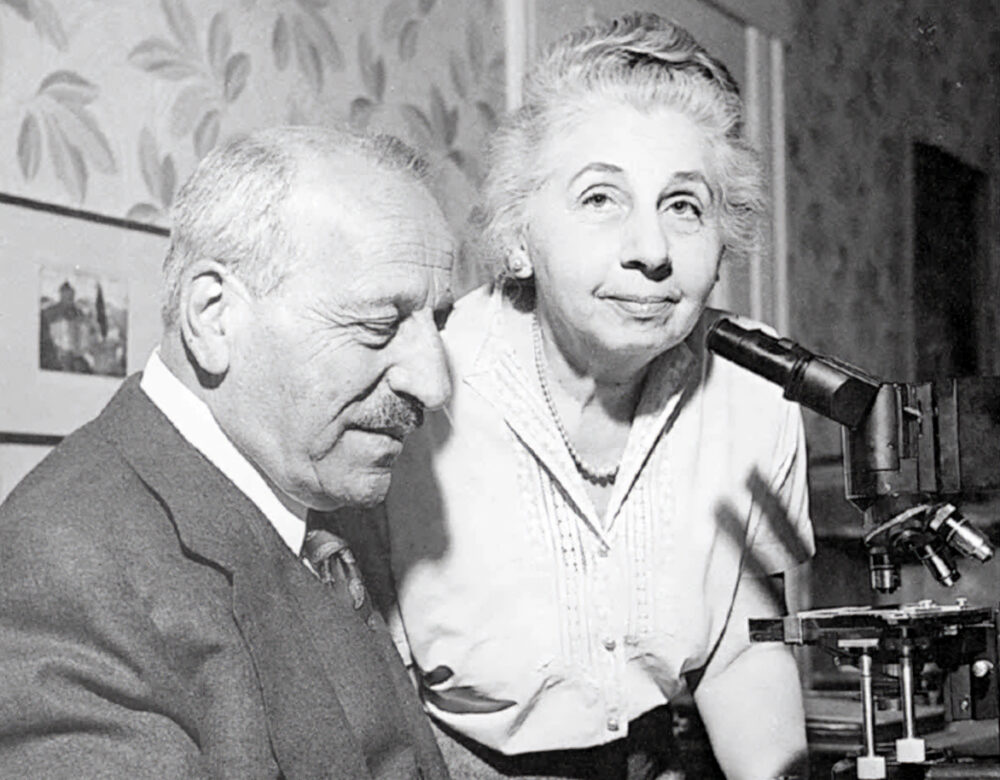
(334, 562)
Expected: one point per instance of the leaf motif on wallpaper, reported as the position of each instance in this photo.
(325, 40)
(80, 130)
(164, 60)
(67, 161)
(487, 115)
(220, 44)
(312, 40)
(144, 212)
(281, 42)
(190, 105)
(394, 16)
(307, 55)
(66, 86)
(215, 77)
(443, 120)
(475, 49)
(361, 112)
(457, 156)
(418, 123)
(44, 16)
(237, 71)
(59, 114)
(496, 70)
(29, 146)
(458, 78)
(206, 133)
(372, 69)
(408, 40)
(160, 177)
(181, 23)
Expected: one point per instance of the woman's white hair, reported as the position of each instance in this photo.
(231, 209)
(645, 61)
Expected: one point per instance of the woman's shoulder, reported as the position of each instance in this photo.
(473, 319)
(469, 310)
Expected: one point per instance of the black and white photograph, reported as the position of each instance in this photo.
(485, 389)
(82, 323)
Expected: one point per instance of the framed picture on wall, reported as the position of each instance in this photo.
(79, 310)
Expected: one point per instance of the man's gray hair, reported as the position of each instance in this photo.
(231, 209)
(645, 61)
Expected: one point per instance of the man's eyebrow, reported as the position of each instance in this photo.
(596, 167)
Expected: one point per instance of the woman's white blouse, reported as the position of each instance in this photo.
(559, 626)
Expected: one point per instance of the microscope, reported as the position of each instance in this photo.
(910, 453)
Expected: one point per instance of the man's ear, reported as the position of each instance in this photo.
(208, 301)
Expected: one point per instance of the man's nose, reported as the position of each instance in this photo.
(646, 245)
(421, 369)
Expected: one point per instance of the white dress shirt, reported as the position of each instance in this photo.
(194, 421)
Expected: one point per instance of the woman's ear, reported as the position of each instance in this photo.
(206, 317)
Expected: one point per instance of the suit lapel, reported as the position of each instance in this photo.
(274, 602)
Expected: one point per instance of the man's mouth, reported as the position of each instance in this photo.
(398, 432)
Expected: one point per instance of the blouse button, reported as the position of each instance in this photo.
(609, 644)
(612, 724)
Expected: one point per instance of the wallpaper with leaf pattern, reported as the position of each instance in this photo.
(865, 78)
(107, 105)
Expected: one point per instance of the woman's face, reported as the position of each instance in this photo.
(624, 236)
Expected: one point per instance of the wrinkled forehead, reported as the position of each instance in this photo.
(374, 235)
(373, 210)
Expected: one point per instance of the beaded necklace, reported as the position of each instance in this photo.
(597, 476)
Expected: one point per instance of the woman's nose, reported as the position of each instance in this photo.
(646, 246)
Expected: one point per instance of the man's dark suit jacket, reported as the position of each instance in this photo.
(154, 624)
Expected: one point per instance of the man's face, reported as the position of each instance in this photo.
(333, 369)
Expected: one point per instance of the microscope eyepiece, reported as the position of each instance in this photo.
(836, 390)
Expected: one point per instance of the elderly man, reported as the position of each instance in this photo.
(157, 615)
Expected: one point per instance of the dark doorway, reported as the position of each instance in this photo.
(949, 209)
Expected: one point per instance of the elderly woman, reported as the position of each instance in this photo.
(587, 527)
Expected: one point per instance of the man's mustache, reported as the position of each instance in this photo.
(396, 415)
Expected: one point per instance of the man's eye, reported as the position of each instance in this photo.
(380, 331)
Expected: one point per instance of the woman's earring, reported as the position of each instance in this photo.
(519, 266)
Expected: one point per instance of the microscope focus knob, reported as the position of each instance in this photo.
(982, 668)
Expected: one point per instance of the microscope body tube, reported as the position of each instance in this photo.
(835, 390)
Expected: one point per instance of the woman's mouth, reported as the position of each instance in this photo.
(642, 306)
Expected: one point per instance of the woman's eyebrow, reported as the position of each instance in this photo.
(689, 177)
(599, 167)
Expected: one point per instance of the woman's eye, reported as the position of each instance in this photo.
(684, 209)
(597, 200)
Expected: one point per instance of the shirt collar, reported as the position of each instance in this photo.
(194, 421)
(499, 377)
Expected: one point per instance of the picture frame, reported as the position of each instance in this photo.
(38, 242)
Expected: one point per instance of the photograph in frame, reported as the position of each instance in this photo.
(64, 352)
